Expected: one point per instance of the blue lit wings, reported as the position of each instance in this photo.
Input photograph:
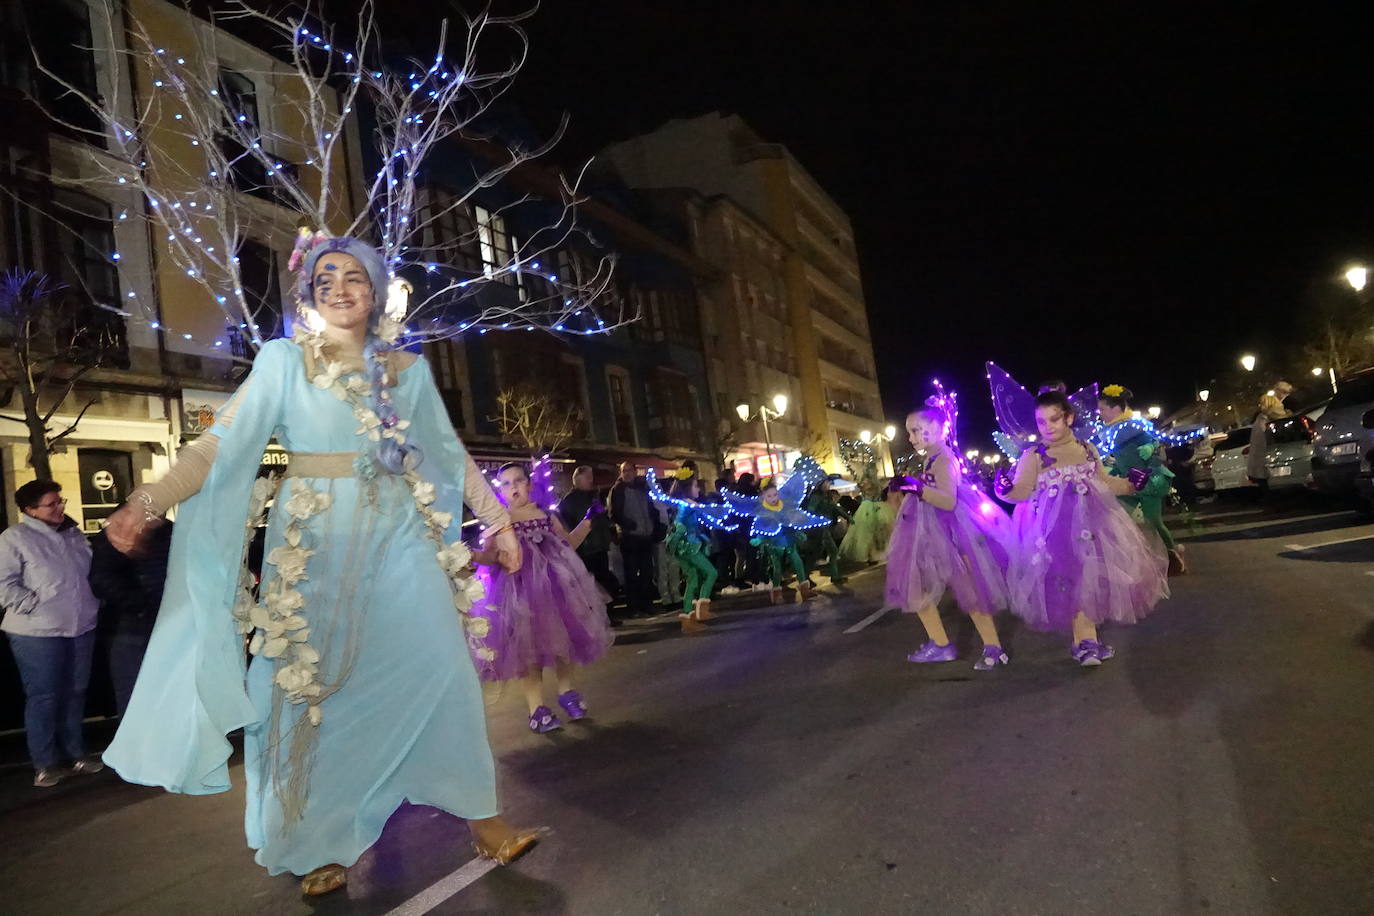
(1106, 436)
(806, 473)
(712, 515)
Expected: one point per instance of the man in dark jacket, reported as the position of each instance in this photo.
(595, 551)
(130, 592)
(634, 515)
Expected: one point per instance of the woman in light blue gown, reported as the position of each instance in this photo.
(361, 693)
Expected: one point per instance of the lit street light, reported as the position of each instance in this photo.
(1204, 394)
(765, 413)
(876, 440)
(1357, 277)
(1154, 412)
(1247, 362)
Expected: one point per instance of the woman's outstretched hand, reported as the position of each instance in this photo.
(508, 551)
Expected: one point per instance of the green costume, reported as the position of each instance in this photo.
(820, 542)
(780, 547)
(1129, 446)
(688, 540)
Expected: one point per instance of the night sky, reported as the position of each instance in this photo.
(1089, 193)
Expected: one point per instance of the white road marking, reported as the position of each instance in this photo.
(871, 618)
(1363, 537)
(444, 888)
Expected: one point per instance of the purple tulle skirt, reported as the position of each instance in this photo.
(1077, 550)
(962, 550)
(551, 609)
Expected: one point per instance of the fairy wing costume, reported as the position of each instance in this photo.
(1015, 409)
(361, 694)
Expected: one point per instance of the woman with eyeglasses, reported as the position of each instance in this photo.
(50, 616)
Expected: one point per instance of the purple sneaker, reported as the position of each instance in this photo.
(572, 704)
(543, 720)
(992, 657)
(1089, 653)
(933, 653)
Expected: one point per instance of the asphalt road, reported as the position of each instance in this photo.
(1221, 763)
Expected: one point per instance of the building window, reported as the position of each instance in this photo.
(85, 248)
(446, 363)
(450, 231)
(261, 284)
(497, 247)
(240, 95)
(61, 36)
(622, 408)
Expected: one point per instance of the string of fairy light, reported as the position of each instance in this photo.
(183, 213)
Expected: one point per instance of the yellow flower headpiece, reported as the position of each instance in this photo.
(1114, 391)
(683, 473)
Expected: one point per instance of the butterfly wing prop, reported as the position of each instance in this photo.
(1085, 418)
(1013, 404)
(806, 473)
(1010, 447)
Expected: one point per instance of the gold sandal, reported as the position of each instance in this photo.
(511, 849)
(324, 879)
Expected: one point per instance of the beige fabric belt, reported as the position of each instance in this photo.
(320, 464)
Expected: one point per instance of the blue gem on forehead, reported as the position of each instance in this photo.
(329, 266)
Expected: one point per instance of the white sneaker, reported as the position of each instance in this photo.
(730, 590)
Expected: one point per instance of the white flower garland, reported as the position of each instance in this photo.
(282, 629)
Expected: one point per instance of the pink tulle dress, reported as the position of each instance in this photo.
(963, 550)
(550, 609)
(1077, 549)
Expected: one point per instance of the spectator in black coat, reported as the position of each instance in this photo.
(595, 550)
(130, 591)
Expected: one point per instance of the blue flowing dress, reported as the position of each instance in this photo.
(402, 713)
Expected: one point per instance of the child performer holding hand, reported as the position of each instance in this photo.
(1078, 560)
(549, 613)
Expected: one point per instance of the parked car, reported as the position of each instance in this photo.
(1342, 435)
(1229, 454)
(1289, 458)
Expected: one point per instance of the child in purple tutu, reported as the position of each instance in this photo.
(1079, 560)
(948, 537)
(548, 614)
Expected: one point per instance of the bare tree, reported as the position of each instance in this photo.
(208, 164)
(48, 347)
(536, 420)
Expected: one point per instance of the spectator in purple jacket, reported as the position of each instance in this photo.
(50, 617)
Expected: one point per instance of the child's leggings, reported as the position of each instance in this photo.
(775, 557)
(701, 578)
(1152, 507)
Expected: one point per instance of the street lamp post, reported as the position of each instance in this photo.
(877, 439)
(778, 409)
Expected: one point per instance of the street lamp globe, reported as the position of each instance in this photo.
(1247, 363)
(1154, 412)
(1317, 371)
(890, 431)
(1357, 277)
(971, 454)
(1204, 394)
(865, 436)
(743, 411)
(780, 403)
